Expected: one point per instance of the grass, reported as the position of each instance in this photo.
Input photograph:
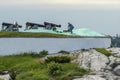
(28, 34)
(103, 51)
(1, 79)
(31, 54)
(30, 68)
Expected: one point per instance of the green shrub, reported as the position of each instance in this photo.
(43, 53)
(54, 68)
(58, 59)
(64, 52)
(103, 51)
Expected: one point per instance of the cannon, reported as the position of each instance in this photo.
(10, 27)
(51, 26)
(30, 25)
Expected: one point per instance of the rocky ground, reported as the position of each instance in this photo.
(101, 66)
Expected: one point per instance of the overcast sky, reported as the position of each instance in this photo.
(100, 15)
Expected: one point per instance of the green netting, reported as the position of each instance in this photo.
(86, 32)
(76, 32)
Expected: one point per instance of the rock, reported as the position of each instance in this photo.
(90, 77)
(5, 77)
(92, 60)
(103, 67)
(117, 79)
(114, 51)
(113, 59)
(117, 70)
(109, 76)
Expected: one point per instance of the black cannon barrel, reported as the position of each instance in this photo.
(6, 24)
(9, 24)
(52, 24)
(32, 24)
(20, 26)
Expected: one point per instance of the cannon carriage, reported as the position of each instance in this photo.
(30, 25)
(10, 27)
(51, 26)
(47, 26)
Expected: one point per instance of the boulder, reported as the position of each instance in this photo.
(117, 70)
(115, 51)
(103, 67)
(5, 77)
(113, 59)
(92, 60)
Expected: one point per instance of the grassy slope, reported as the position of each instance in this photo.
(103, 51)
(42, 35)
(27, 34)
(30, 68)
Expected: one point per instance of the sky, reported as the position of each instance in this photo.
(102, 16)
